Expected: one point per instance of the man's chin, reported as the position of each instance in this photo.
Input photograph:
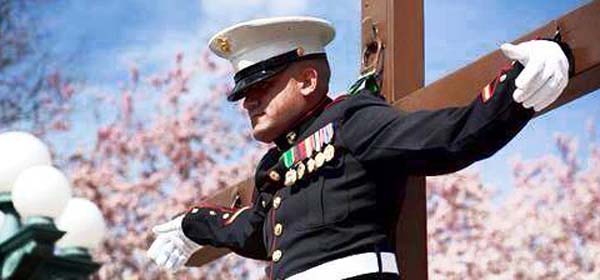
(267, 132)
(263, 135)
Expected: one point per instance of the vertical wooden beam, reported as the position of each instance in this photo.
(400, 26)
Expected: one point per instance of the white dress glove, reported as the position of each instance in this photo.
(172, 248)
(545, 75)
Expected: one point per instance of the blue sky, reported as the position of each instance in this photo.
(109, 36)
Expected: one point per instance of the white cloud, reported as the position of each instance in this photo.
(238, 10)
(230, 7)
(160, 52)
(287, 7)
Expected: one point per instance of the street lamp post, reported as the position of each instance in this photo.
(33, 195)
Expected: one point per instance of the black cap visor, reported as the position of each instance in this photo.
(243, 84)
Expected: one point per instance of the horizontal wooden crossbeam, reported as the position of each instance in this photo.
(579, 29)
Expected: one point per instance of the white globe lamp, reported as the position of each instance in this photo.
(19, 150)
(41, 191)
(84, 224)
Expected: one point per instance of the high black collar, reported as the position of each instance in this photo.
(290, 138)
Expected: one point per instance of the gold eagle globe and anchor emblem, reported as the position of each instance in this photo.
(224, 44)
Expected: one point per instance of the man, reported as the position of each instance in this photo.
(326, 194)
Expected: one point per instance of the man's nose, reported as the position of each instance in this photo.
(250, 103)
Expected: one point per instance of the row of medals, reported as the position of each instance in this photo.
(300, 169)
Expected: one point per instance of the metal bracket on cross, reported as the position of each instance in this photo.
(372, 59)
(373, 51)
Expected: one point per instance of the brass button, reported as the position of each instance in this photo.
(278, 229)
(226, 216)
(212, 213)
(263, 203)
(276, 202)
(274, 176)
(195, 210)
(277, 255)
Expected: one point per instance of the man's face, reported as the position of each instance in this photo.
(274, 105)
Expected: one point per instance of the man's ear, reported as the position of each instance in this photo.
(308, 79)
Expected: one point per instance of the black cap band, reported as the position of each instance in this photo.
(264, 70)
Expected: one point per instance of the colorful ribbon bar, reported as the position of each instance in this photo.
(305, 148)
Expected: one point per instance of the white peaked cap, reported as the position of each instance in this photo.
(250, 42)
(260, 49)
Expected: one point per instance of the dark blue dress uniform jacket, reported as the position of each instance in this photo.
(349, 205)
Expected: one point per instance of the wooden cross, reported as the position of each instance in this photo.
(403, 87)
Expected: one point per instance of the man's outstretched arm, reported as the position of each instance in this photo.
(446, 140)
(239, 229)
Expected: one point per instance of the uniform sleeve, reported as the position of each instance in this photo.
(239, 229)
(434, 142)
